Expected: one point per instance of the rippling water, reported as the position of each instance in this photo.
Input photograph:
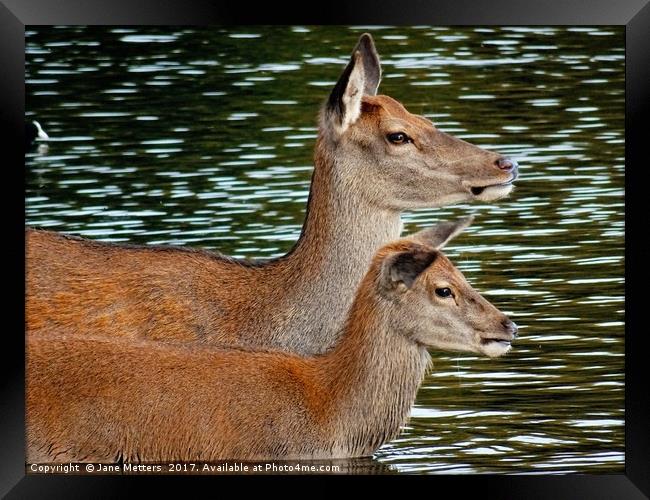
(204, 137)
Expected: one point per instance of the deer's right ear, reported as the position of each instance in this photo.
(361, 76)
(403, 268)
(442, 233)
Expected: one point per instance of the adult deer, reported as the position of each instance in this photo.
(373, 160)
(102, 400)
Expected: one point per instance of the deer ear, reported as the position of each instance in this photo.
(371, 64)
(441, 234)
(361, 76)
(405, 267)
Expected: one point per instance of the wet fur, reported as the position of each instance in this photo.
(106, 400)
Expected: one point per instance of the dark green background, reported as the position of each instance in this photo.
(204, 137)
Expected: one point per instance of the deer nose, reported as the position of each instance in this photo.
(510, 327)
(507, 164)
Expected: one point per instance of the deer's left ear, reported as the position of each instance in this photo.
(405, 267)
(361, 76)
(371, 65)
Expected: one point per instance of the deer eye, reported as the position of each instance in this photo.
(443, 292)
(399, 138)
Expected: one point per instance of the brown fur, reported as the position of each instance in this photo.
(360, 185)
(105, 400)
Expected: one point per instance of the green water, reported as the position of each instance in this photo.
(204, 137)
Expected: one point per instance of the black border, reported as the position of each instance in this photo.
(634, 14)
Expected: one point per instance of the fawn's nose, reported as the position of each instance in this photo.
(507, 164)
(510, 327)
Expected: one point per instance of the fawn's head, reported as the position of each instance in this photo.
(398, 160)
(429, 300)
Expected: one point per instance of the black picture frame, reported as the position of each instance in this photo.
(633, 14)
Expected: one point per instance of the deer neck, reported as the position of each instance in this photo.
(373, 375)
(338, 220)
(340, 235)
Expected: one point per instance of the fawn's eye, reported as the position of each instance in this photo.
(443, 292)
(399, 138)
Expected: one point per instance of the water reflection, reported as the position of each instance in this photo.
(205, 136)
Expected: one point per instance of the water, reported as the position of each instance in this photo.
(204, 137)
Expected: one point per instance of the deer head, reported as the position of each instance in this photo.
(397, 160)
(432, 303)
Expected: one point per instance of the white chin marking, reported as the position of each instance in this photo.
(491, 193)
(495, 349)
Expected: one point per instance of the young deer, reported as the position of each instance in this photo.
(91, 399)
(373, 160)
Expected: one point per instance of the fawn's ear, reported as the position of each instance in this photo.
(361, 76)
(404, 267)
(441, 234)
